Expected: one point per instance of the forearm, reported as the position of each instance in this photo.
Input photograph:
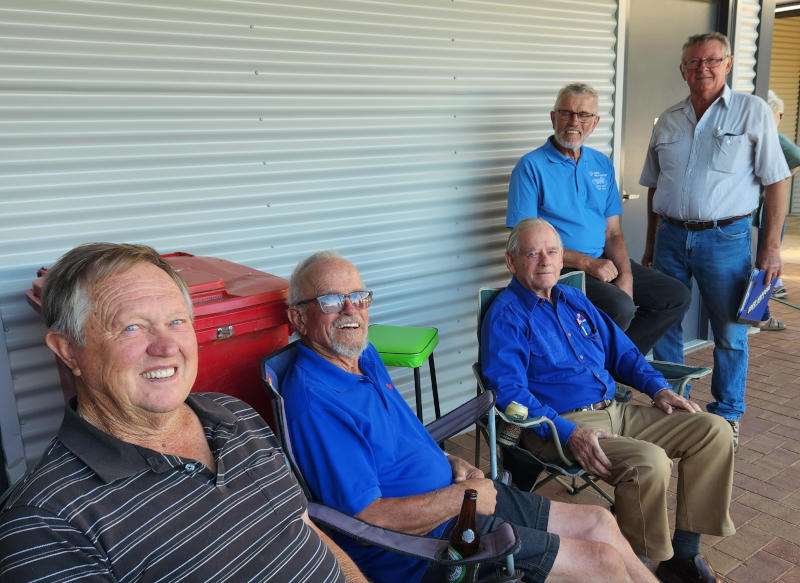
(417, 514)
(616, 251)
(577, 260)
(652, 219)
(775, 207)
(350, 570)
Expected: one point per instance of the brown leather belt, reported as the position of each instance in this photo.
(599, 406)
(701, 225)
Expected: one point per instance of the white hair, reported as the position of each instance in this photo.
(512, 247)
(775, 103)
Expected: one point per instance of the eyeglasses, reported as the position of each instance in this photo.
(334, 303)
(710, 62)
(583, 116)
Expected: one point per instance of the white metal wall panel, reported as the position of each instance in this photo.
(784, 79)
(745, 45)
(262, 131)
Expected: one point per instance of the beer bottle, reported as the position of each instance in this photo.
(464, 540)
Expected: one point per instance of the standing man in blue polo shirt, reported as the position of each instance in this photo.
(708, 159)
(363, 451)
(573, 187)
(547, 347)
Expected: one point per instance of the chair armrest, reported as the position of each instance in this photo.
(494, 545)
(536, 422)
(461, 417)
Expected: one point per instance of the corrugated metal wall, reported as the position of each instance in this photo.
(745, 41)
(263, 131)
(784, 79)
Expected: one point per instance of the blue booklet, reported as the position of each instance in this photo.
(755, 299)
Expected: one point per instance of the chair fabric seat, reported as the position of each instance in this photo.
(404, 346)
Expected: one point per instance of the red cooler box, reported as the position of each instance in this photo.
(239, 317)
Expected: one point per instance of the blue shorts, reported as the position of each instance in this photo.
(528, 513)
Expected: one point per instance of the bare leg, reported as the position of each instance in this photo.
(590, 536)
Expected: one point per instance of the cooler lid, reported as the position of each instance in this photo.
(215, 285)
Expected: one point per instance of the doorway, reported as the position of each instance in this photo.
(656, 30)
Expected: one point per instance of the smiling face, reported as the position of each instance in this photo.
(706, 82)
(339, 337)
(538, 260)
(570, 133)
(139, 358)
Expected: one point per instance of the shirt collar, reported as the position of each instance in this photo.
(554, 154)
(113, 459)
(686, 104)
(529, 299)
(333, 376)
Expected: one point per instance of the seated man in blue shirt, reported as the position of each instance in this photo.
(547, 347)
(362, 450)
(573, 187)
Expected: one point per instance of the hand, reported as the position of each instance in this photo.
(602, 269)
(668, 401)
(585, 446)
(463, 470)
(487, 494)
(624, 282)
(770, 261)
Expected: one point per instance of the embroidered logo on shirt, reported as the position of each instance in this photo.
(389, 386)
(599, 179)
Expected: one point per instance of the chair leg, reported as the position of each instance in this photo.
(434, 387)
(418, 393)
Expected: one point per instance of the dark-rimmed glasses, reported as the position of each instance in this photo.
(710, 62)
(583, 116)
(334, 303)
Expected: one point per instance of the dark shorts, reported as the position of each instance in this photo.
(528, 513)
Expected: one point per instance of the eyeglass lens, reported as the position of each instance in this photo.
(331, 303)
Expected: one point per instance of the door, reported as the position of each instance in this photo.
(656, 30)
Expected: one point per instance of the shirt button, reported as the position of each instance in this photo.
(189, 467)
(569, 334)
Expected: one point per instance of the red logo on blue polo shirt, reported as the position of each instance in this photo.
(389, 386)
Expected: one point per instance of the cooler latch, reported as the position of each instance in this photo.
(225, 332)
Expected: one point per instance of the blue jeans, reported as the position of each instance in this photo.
(720, 259)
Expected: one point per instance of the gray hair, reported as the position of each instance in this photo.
(303, 269)
(512, 247)
(775, 103)
(66, 297)
(576, 88)
(700, 39)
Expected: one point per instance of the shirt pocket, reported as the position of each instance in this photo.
(730, 150)
(668, 149)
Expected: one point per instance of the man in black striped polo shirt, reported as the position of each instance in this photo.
(145, 482)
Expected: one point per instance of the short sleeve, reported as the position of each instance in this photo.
(523, 194)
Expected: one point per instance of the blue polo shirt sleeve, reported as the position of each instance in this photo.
(523, 194)
(505, 358)
(614, 201)
(342, 473)
(623, 359)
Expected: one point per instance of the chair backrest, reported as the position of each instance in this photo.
(486, 295)
(273, 372)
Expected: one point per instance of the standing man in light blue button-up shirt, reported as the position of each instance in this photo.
(709, 157)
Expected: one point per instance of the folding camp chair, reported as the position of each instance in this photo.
(524, 465)
(502, 542)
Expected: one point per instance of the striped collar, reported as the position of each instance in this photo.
(113, 459)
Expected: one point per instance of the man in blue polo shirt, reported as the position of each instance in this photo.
(363, 451)
(547, 347)
(573, 187)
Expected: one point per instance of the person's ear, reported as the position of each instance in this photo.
(297, 319)
(64, 349)
(510, 263)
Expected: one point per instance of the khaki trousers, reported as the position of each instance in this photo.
(641, 458)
